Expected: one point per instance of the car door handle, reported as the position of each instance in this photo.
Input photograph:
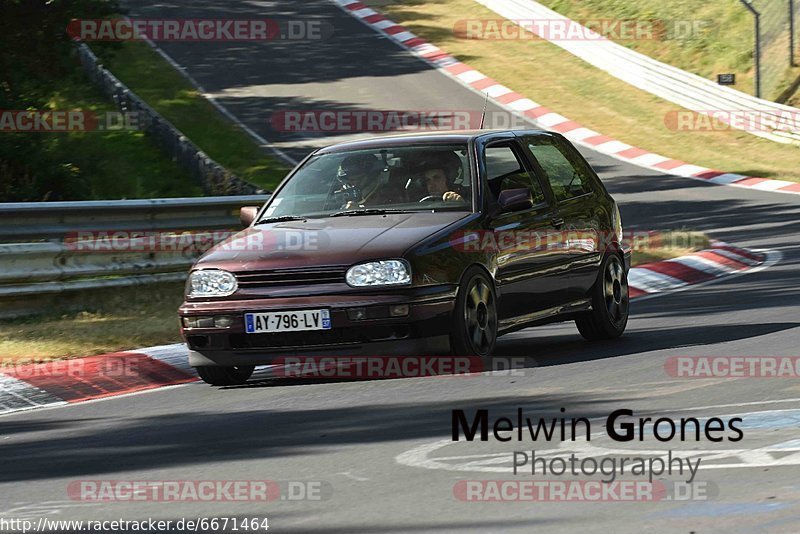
(557, 222)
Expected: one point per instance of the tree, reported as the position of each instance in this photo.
(37, 53)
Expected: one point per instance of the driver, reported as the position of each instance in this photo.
(361, 175)
(439, 172)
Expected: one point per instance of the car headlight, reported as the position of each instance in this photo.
(379, 273)
(211, 283)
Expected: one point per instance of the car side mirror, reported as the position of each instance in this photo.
(247, 215)
(514, 200)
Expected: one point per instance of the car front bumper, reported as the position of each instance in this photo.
(425, 330)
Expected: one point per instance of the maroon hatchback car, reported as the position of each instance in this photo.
(411, 244)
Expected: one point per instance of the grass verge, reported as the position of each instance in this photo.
(130, 318)
(668, 245)
(148, 75)
(556, 79)
(92, 165)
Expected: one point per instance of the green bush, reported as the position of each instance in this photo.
(39, 71)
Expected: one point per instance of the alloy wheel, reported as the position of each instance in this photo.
(615, 291)
(480, 316)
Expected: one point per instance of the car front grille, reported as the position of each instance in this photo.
(290, 277)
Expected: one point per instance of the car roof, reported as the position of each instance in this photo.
(412, 138)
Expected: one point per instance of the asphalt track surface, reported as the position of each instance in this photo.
(378, 444)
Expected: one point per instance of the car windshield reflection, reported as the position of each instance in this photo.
(377, 181)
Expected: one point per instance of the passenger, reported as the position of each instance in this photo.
(361, 174)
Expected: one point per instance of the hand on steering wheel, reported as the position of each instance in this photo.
(450, 196)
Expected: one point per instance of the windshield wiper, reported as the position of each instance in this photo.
(282, 218)
(368, 211)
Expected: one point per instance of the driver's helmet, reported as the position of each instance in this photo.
(359, 166)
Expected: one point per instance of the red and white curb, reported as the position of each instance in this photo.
(546, 118)
(720, 260)
(65, 382)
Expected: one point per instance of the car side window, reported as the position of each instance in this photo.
(567, 175)
(504, 170)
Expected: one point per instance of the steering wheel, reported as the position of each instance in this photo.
(430, 198)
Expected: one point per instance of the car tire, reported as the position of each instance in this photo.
(474, 330)
(225, 376)
(610, 302)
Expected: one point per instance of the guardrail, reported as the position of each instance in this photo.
(25, 221)
(688, 90)
(49, 248)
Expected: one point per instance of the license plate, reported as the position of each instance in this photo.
(287, 321)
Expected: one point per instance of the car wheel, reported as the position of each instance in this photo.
(610, 302)
(474, 331)
(225, 376)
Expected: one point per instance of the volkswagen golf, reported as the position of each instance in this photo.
(426, 243)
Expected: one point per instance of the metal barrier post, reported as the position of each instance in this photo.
(791, 33)
(756, 18)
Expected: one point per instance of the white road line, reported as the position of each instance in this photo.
(523, 104)
(497, 90)
(652, 281)
(551, 119)
(613, 147)
(383, 24)
(770, 185)
(403, 36)
(648, 160)
(734, 256)
(176, 355)
(365, 12)
(580, 134)
(705, 265)
(222, 109)
(471, 76)
(17, 395)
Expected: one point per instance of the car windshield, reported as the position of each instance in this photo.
(374, 181)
